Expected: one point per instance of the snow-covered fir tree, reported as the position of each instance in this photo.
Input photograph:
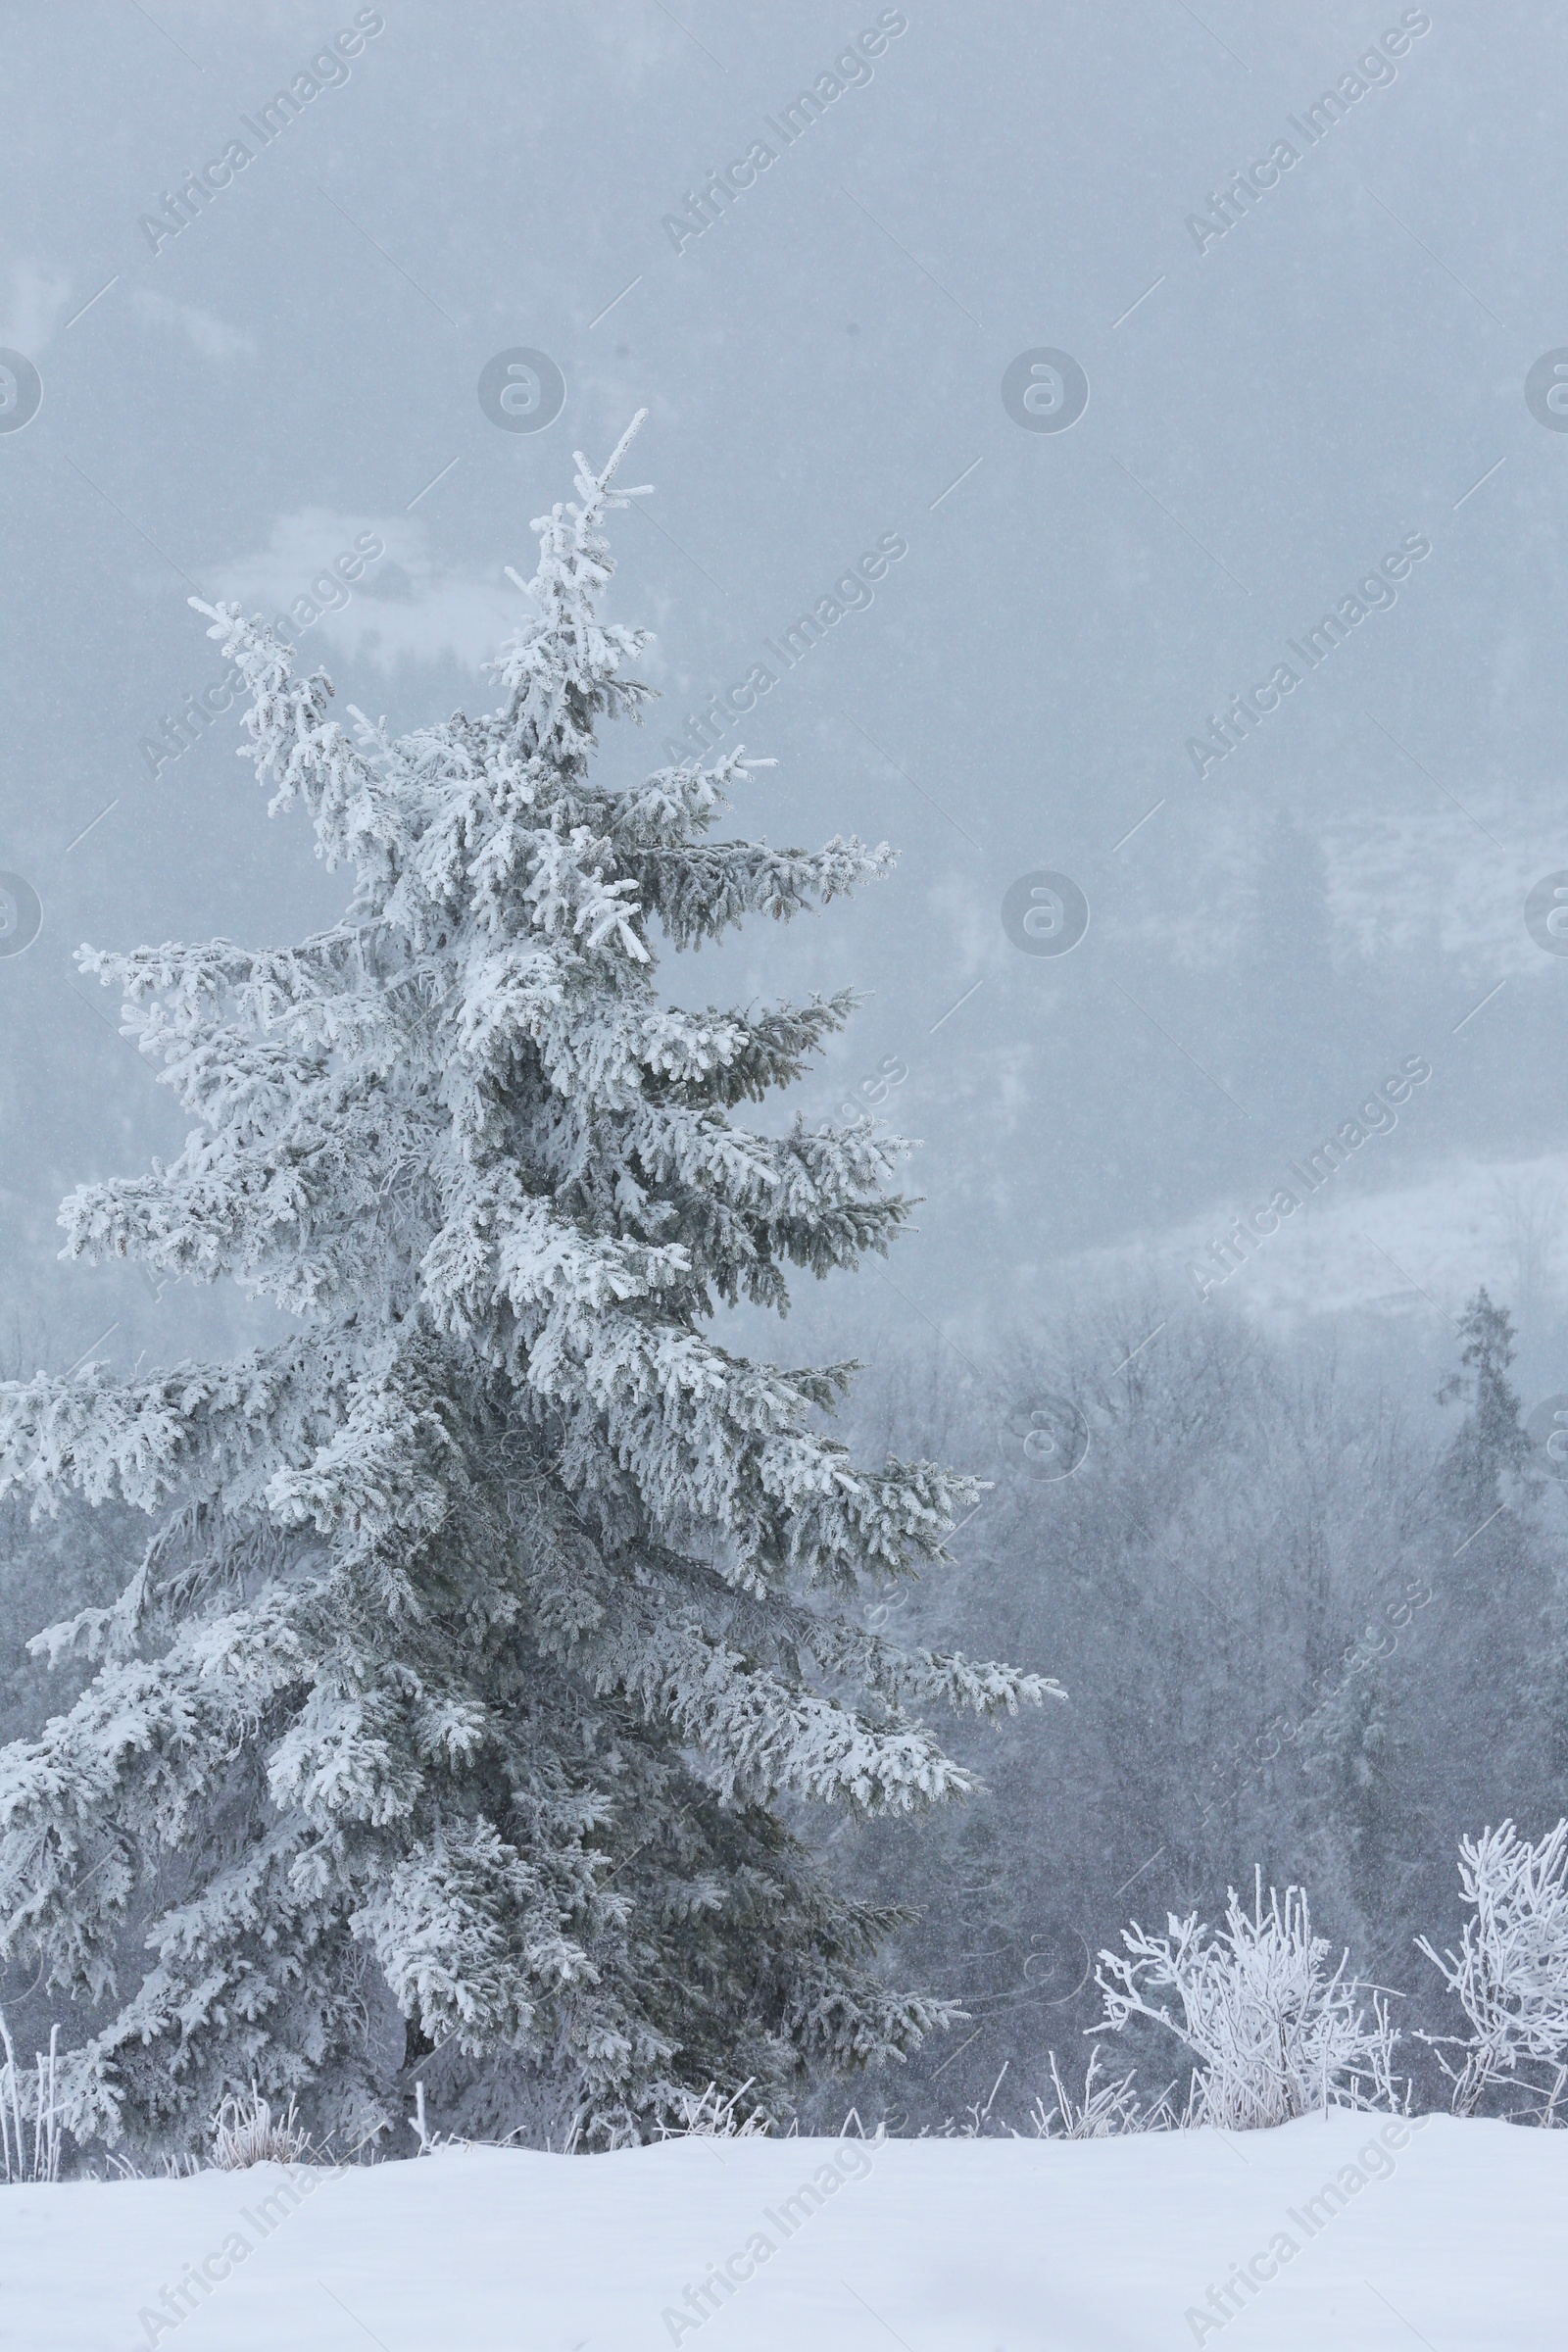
(1491, 1443)
(492, 1621)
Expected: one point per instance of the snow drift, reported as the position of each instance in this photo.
(1347, 2230)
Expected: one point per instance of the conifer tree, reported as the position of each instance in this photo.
(1490, 1442)
(1497, 1582)
(493, 1617)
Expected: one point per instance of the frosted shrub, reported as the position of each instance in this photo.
(978, 2122)
(248, 2132)
(118, 2166)
(1510, 1973)
(710, 2115)
(1276, 2033)
(1104, 2109)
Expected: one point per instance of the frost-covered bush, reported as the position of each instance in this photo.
(1510, 1973)
(712, 2114)
(246, 2132)
(980, 2122)
(1275, 2031)
(1103, 2111)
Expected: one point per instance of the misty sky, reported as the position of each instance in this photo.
(1280, 407)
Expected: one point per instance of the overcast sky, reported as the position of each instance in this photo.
(1110, 441)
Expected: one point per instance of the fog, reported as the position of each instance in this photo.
(1273, 407)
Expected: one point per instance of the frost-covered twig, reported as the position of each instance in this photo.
(17, 2093)
(432, 2143)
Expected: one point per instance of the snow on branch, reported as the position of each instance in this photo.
(294, 743)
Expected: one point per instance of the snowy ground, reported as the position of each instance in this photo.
(1457, 2238)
